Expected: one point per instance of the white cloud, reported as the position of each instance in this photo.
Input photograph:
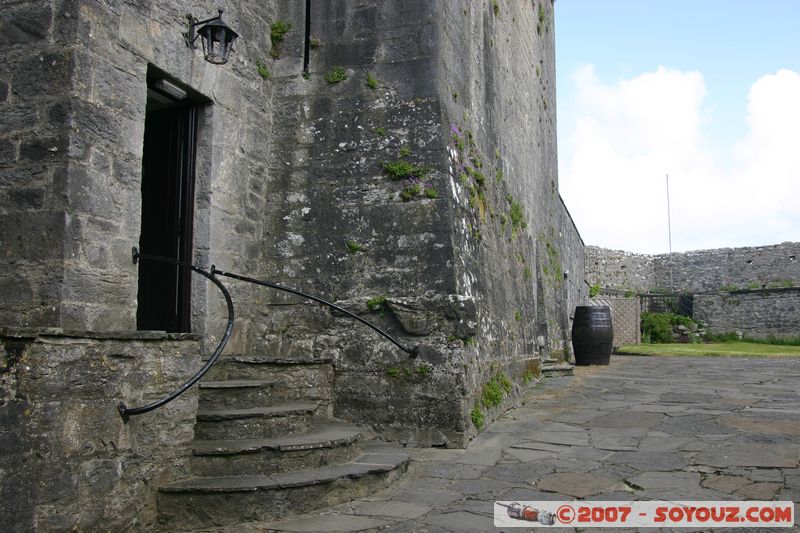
(628, 135)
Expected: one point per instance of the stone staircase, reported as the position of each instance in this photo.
(266, 446)
(553, 368)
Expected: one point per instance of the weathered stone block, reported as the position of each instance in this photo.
(44, 149)
(18, 117)
(62, 442)
(403, 404)
(27, 23)
(27, 198)
(8, 151)
(44, 73)
(33, 236)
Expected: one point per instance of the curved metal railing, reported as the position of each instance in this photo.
(126, 412)
(413, 352)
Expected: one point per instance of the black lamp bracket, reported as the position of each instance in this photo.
(193, 23)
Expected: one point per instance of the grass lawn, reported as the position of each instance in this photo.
(722, 348)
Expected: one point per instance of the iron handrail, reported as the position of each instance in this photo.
(413, 352)
(126, 412)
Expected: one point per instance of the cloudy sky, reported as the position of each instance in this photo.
(705, 91)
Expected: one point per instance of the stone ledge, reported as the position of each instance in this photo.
(33, 333)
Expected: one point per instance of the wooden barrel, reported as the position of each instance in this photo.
(592, 335)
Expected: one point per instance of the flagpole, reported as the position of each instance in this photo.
(669, 233)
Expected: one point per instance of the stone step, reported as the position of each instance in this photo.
(292, 380)
(559, 368)
(286, 418)
(326, 443)
(224, 501)
(235, 393)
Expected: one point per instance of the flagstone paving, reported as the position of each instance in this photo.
(643, 428)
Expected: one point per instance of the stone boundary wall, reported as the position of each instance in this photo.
(758, 267)
(69, 463)
(756, 314)
(751, 289)
(617, 269)
(730, 268)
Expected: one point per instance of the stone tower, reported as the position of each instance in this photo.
(395, 157)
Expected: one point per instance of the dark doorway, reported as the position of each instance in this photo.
(168, 174)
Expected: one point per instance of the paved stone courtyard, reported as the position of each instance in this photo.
(716, 428)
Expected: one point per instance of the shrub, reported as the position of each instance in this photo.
(656, 327)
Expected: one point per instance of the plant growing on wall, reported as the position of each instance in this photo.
(495, 389)
(542, 17)
(594, 290)
(278, 30)
(410, 192)
(336, 75)
(402, 169)
(517, 216)
(476, 415)
(354, 247)
(263, 71)
(378, 304)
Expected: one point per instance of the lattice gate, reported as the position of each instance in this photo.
(626, 318)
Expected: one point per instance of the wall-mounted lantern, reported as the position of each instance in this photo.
(216, 36)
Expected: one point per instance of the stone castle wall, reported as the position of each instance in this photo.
(754, 313)
(73, 102)
(69, 461)
(754, 267)
(751, 289)
(482, 265)
(620, 270)
(731, 268)
(513, 237)
(450, 83)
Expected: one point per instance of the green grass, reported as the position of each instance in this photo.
(711, 349)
